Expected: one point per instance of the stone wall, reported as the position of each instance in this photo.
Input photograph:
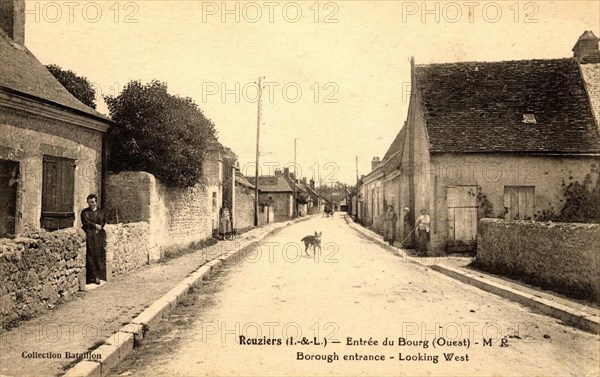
(38, 270)
(127, 247)
(177, 217)
(560, 256)
(244, 208)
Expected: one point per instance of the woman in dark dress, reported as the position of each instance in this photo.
(93, 221)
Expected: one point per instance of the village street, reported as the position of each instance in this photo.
(360, 290)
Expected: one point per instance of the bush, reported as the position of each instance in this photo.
(159, 133)
(582, 200)
(78, 86)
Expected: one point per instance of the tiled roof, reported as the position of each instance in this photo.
(479, 107)
(591, 77)
(393, 157)
(273, 183)
(239, 178)
(21, 72)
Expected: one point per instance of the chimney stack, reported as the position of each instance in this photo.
(12, 19)
(277, 171)
(586, 48)
(375, 163)
(312, 184)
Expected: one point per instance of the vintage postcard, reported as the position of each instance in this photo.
(299, 188)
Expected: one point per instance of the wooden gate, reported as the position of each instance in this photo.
(462, 217)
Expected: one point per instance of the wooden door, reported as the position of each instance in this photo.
(462, 213)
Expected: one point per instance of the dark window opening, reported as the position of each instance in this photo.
(9, 183)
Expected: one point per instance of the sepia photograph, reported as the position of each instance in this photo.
(299, 188)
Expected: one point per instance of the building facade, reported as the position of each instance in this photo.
(489, 139)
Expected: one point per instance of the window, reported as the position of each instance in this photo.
(58, 192)
(519, 202)
(214, 202)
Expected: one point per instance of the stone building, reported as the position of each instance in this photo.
(51, 144)
(51, 159)
(275, 192)
(489, 139)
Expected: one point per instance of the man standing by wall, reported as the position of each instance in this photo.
(93, 221)
(422, 226)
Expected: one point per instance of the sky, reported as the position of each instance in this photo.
(336, 73)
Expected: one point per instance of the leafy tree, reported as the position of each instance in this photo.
(157, 132)
(78, 86)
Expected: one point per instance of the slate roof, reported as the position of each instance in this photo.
(21, 72)
(479, 107)
(273, 183)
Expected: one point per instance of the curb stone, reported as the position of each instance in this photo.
(122, 343)
(573, 317)
(570, 316)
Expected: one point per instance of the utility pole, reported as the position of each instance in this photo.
(295, 173)
(258, 122)
(357, 172)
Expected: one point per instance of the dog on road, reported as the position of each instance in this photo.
(314, 241)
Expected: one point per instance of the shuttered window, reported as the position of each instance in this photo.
(519, 202)
(58, 193)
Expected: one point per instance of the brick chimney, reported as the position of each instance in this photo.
(277, 171)
(375, 163)
(586, 48)
(312, 184)
(303, 180)
(12, 19)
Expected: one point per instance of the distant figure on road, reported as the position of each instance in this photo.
(225, 223)
(408, 221)
(93, 221)
(422, 226)
(391, 218)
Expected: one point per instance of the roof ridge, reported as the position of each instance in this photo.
(494, 62)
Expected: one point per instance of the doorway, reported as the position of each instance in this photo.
(9, 183)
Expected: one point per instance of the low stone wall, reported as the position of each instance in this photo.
(560, 256)
(38, 270)
(127, 247)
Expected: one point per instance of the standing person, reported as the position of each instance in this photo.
(93, 221)
(408, 229)
(422, 226)
(225, 223)
(391, 218)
